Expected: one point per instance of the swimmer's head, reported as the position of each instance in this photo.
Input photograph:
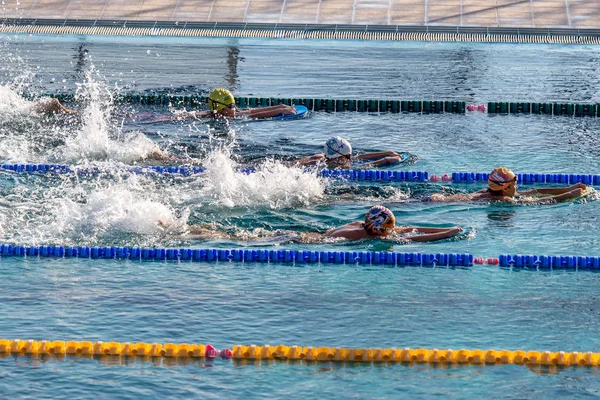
(219, 99)
(502, 179)
(379, 220)
(336, 147)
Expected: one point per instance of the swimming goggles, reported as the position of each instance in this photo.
(335, 151)
(230, 105)
(503, 183)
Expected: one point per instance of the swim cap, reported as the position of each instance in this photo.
(336, 147)
(501, 178)
(379, 219)
(219, 99)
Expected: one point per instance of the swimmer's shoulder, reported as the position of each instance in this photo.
(353, 230)
(310, 161)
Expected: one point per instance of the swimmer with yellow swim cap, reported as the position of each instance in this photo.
(502, 186)
(338, 154)
(379, 223)
(222, 105)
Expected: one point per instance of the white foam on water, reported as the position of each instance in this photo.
(273, 185)
(11, 101)
(125, 207)
(97, 139)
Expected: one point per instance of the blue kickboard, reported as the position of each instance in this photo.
(301, 112)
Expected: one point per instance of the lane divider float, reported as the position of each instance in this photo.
(348, 174)
(549, 262)
(524, 178)
(541, 262)
(563, 109)
(71, 348)
(313, 104)
(365, 105)
(241, 255)
(59, 348)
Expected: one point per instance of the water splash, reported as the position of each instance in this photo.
(273, 184)
(100, 137)
(71, 212)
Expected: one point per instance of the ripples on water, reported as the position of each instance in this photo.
(479, 307)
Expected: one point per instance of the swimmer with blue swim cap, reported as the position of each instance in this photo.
(338, 154)
(502, 186)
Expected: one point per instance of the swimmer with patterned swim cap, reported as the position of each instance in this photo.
(502, 186)
(379, 223)
(222, 105)
(338, 154)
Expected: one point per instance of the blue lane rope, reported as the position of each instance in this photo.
(239, 255)
(548, 262)
(588, 179)
(349, 174)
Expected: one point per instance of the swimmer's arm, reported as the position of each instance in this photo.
(453, 197)
(192, 115)
(267, 112)
(377, 155)
(572, 194)
(310, 161)
(386, 161)
(430, 234)
(554, 191)
(200, 232)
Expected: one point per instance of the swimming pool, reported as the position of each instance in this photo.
(321, 305)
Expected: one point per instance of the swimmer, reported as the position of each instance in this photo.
(379, 223)
(222, 105)
(502, 186)
(49, 105)
(338, 154)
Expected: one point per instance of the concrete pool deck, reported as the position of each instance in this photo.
(565, 14)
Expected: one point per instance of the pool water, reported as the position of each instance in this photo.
(311, 305)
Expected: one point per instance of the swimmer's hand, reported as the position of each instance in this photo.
(288, 109)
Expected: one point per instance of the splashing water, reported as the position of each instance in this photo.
(11, 101)
(94, 141)
(72, 212)
(120, 208)
(273, 185)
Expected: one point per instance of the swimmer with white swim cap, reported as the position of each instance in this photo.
(502, 186)
(338, 154)
(222, 105)
(379, 223)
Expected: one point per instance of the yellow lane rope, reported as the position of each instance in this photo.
(281, 352)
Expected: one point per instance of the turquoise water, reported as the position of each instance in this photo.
(323, 305)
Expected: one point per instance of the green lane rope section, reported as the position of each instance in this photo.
(364, 105)
(567, 109)
(300, 31)
(313, 104)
